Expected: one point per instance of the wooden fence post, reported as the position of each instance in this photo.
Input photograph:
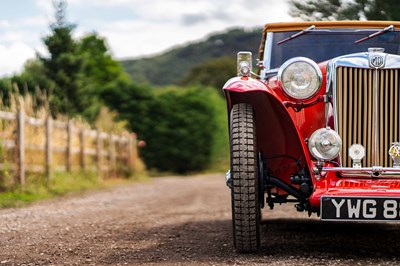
(129, 150)
(99, 151)
(111, 150)
(69, 146)
(82, 149)
(122, 149)
(49, 147)
(20, 175)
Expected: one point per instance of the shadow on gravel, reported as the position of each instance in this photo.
(317, 239)
(211, 242)
(188, 242)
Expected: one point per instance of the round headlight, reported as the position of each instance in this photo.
(325, 144)
(300, 78)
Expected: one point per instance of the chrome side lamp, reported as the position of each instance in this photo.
(356, 153)
(394, 152)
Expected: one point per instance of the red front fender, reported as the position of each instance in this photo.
(278, 137)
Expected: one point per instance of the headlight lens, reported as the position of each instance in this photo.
(325, 144)
(300, 78)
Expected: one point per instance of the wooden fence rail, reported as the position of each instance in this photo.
(78, 147)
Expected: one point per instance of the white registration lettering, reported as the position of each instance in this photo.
(390, 209)
(353, 210)
(338, 206)
(368, 209)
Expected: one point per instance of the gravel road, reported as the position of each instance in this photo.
(180, 221)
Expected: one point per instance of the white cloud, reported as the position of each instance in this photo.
(4, 24)
(134, 27)
(32, 21)
(101, 2)
(163, 24)
(45, 5)
(13, 57)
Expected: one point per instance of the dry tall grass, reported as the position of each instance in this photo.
(37, 106)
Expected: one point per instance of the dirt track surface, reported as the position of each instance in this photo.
(180, 221)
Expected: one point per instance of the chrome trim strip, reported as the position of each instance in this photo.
(386, 175)
(369, 172)
(375, 121)
(366, 169)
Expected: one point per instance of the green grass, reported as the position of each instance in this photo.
(61, 184)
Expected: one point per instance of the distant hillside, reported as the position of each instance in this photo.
(172, 66)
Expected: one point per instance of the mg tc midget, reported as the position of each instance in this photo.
(318, 124)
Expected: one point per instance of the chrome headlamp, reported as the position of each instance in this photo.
(300, 78)
(325, 144)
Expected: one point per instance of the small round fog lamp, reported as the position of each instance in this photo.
(325, 144)
(356, 152)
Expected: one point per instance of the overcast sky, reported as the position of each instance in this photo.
(132, 28)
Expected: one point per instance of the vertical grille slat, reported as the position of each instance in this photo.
(359, 111)
(386, 139)
(396, 108)
(381, 123)
(345, 117)
(391, 99)
(355, 107)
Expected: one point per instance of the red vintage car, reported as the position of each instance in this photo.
(318, 124)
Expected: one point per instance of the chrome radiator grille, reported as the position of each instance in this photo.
(355, 108)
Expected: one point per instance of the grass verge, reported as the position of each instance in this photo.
(61, 184)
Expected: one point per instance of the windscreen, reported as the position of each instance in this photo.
(322, 45)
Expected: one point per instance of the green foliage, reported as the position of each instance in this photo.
(33, 76)
(31, 80)
(73, 75)
(342, 10)
(98, 64)
(131, 101)
(220, 147)
(63, 65)
(99, 70)
(213, 73)
(172, 67)
(183, 129)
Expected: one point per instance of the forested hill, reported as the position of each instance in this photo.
(174, 65)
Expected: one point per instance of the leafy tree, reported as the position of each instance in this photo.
(31, 80)
(63, 65)
(131, 101)
(99, 70)
(213, 73)
(342, 9)
(33, 76)
(98, 63)
(183, 129)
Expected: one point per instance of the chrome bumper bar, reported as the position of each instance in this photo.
(375, 171)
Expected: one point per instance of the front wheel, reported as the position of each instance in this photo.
(244, 178)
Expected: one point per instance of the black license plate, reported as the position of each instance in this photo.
(360, 208)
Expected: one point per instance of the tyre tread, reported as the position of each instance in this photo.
(245, 202)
